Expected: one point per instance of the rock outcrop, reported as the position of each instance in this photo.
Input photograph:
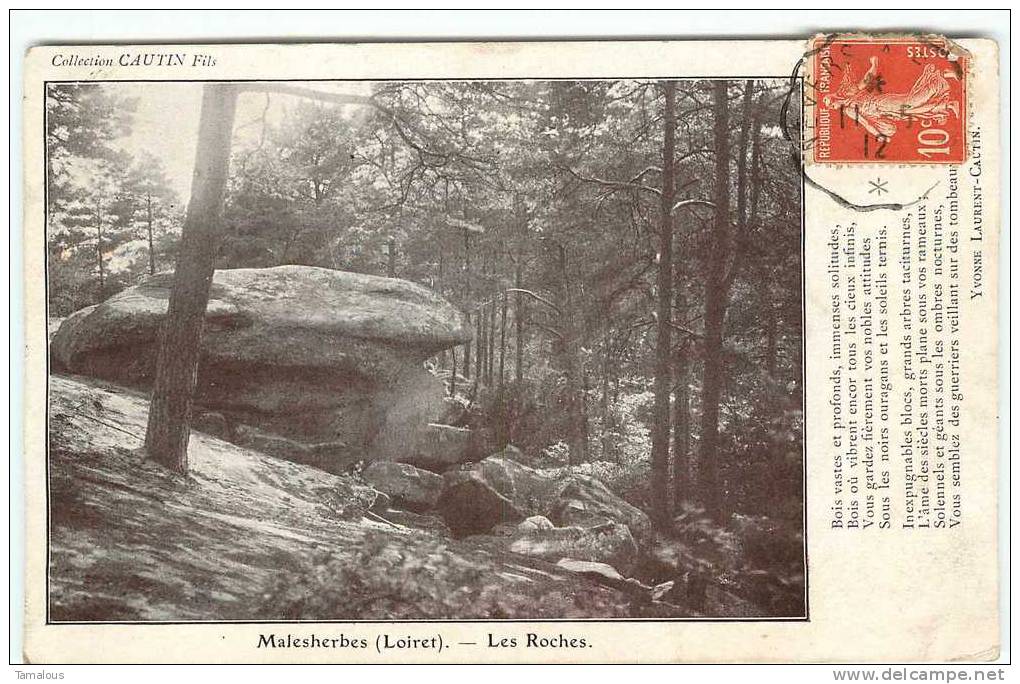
(250, 537)
(309, 354)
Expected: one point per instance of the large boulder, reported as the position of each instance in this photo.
(321, 319)
(409, 487)
(584, 501)
(310, 354)
(529, 489)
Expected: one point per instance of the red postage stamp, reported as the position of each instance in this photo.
(890, 100)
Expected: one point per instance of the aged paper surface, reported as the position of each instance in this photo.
(890, 373)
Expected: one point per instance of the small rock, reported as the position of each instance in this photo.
(612, 544)
(535, 522)
(608, 575)
(661, 590)
(213, 423)
(590, 568)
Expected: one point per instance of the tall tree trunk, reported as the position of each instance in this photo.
(748, 185)
(148, 222)
(453, 371)
(440, 288)
(442, 263)
(771, 342)
(490, 358)
(502, 341)
(99, 251)
(604, 403)
(467, 297)
(480, 342)
(391, 258)
(519, 324)
(766, 273)
(577, 437)
(166, 437)
(681, 430)
(681, 389)
(715, 311)
(467, 352)
(664, 294)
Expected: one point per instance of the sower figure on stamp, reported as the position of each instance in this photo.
(861, 100)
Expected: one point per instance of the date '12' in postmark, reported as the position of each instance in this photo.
(899, 101)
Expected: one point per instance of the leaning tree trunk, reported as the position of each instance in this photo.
(664, 294)
(166, 437)
(715, 311)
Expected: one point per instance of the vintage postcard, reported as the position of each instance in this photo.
(654, 352)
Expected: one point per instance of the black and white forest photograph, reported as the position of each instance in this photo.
(424, 350)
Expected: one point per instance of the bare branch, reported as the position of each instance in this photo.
(619, 185)
(551, 331)
(536, 297)
(690, 203)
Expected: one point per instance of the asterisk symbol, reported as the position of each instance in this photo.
(878, 186)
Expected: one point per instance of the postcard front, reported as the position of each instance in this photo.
(512, 352)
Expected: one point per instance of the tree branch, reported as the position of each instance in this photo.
(692, 202)
(536, 298)
(300, 91)
(618, 185)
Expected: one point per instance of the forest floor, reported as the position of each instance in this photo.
(247, 536)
